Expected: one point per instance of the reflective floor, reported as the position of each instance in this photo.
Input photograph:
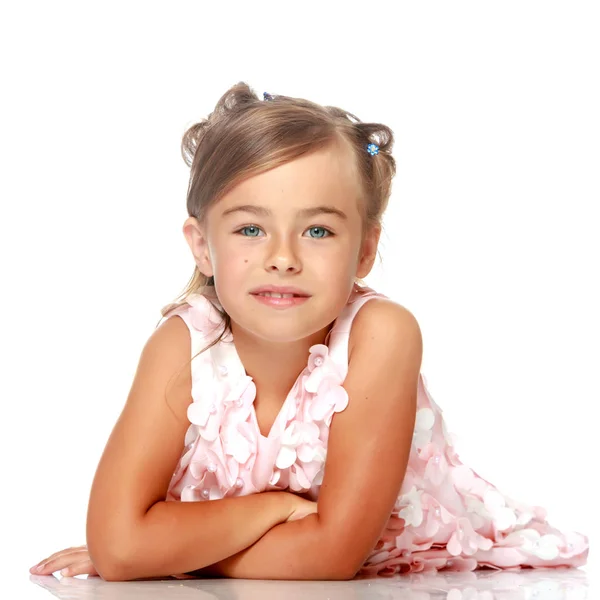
(538, 584)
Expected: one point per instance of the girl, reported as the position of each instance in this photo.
(300, 440)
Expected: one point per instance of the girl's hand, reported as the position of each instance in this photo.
(301, 507)
(77, 561)
(70, 562)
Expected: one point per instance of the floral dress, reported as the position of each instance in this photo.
(445, 517)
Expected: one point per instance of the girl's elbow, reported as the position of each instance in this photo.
(110, 558)
(116, 568)
(342, 561)
(111, 574)
(110, 567)
(344, 572)
(345, 566)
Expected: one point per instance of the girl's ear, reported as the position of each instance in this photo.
(196, 238)
(368, 251)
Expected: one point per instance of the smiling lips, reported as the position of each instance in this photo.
(280, 296)
(279, 291)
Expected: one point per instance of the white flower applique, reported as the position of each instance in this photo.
(303, 448)
(299, 441)
(437, 465)
(465, 540)
(545, 547)
(205, 415)
(413, 512)
(504, 518)
(423, 430)
(325, 381)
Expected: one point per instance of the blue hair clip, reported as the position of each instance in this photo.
(267, 96)
(372, 149)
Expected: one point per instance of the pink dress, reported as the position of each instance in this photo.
(454, 519)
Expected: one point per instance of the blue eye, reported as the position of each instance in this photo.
(254, 231)
(318, 230)
(254, 228)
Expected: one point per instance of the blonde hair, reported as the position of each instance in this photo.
(245, 136)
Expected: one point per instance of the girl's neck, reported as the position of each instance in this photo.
(275, 367)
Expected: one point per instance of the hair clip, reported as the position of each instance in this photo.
(267, 96)
(372, 149)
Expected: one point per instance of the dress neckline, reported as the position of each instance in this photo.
(291, 395)
(229, 340)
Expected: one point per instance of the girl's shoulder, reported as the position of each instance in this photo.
(384, 319)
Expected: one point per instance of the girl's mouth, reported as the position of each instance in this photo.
(277, 300)
(277, 295)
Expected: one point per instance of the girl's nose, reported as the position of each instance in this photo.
(283, 258)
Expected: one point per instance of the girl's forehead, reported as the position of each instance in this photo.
(327, 174)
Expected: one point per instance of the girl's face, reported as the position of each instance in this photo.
(296, 225)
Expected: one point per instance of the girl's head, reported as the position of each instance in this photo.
(283, 192)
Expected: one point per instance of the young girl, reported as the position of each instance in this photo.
(300, 441)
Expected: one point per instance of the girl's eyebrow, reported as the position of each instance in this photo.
(261, 211)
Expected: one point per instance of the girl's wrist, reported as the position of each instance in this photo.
(283, 503)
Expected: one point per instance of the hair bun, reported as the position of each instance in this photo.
(379, 134)
(191, 140)
(238, 96)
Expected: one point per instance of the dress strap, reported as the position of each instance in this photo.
(339, 336)
(202, 320)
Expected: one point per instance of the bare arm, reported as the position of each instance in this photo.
(132, 532)
(178, 537)
(367, 454)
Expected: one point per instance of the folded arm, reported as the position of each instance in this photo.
(368, 450)
(132, 532)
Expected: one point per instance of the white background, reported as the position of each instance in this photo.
(491, 238)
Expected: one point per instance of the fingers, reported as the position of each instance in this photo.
(60, 560)
(84, 567)
(64, 552)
